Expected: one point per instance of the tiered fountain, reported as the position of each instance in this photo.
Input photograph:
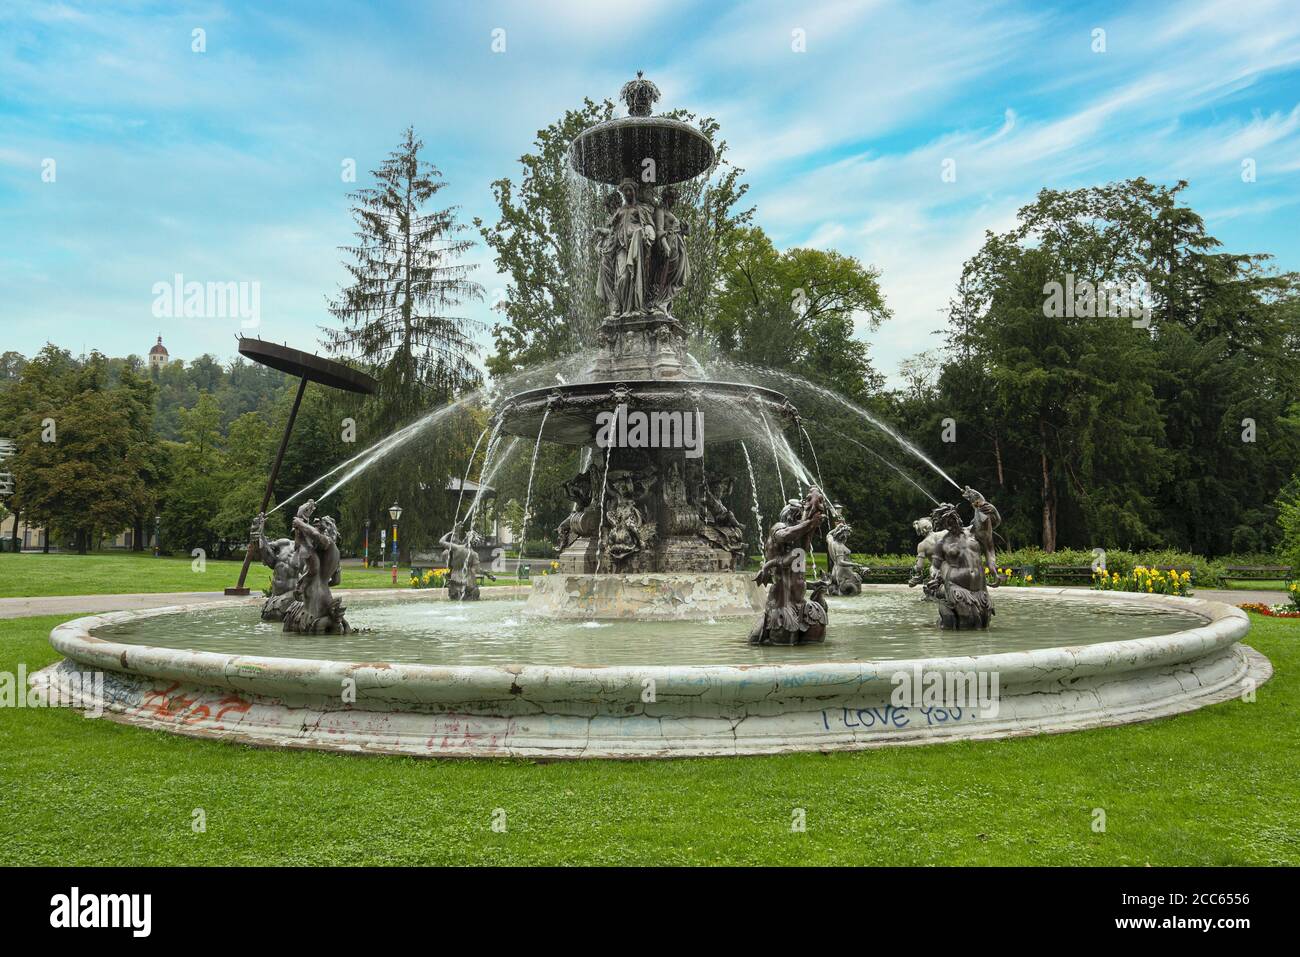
(649, 535)
(649, 563)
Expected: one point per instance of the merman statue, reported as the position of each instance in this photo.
(315, 610)
(790, 617)
(958, 581)
(281, 557)
(463, 565)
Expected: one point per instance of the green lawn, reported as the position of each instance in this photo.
(1214, 787)
(29, 576)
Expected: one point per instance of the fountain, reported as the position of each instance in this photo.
(655, 540)
(638, 646)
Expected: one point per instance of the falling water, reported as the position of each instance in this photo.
(468, 465)
(494, 439)
(907, 478)
(816, 464)
(775, 458)
(858, 410)
(490, 467)
(753, 488)
(600, 527)
(528, 497)
(380, 449)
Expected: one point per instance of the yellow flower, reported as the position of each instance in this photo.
(1029, 578)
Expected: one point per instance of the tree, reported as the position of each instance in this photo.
(79, 464)
(542, 241)
(797, 310)
(396, 313)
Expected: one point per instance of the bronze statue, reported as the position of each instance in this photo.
(607, 249)
(672, 266)
(846, 578)
(958, 581)
(629, 532)
(281, 556)
(632, 234)
(926, 550)
(315, 610)
(463, 565)
(790, 618)
(720, 526)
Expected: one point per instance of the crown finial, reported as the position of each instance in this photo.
(639, 95)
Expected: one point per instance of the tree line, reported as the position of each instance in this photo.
(1109, 376)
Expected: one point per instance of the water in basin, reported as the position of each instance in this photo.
(871, 626)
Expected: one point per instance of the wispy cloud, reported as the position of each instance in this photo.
(226, 164)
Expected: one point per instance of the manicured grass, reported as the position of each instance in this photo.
(29, 576)
(1213, 787)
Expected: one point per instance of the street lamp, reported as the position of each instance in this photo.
(157, 535)
(395, 513)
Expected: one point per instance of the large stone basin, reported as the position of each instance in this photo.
(554, 711)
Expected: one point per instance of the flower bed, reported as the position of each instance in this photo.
(1271, 611)
(1153, 581)
(431, 578)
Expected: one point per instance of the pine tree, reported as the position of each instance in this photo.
(396, 313)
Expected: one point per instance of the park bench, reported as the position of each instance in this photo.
(1065, 574)
(1257, 573)
(885, 574)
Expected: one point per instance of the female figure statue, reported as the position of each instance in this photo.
(958, 581)
(790, 618)
(673, 268)
(633, 234)
(607, 249)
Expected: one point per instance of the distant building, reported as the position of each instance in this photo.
(158, 355)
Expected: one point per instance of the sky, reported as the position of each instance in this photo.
(128, 156)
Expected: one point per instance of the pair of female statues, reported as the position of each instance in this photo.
(642, 247)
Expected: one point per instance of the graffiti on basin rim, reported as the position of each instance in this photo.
(171, 704)
(884, 717)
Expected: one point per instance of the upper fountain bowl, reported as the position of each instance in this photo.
(638, 144)
(618, 149)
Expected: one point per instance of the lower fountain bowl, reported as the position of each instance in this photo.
(764, 707)
(655, 596)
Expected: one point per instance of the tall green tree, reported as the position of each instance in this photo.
(542, 241)
(398, 314)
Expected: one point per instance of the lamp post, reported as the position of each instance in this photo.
(395, 513)
(157, 535)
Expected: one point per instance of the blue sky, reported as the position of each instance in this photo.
(225, 165)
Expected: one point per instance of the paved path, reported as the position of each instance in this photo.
(93, 604)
